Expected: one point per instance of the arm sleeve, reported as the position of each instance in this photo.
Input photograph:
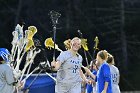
(118, 78)
(106, 73)
(61, 57)
(9, 75)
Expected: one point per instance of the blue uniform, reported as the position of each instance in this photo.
(89, 86)
(104, 75)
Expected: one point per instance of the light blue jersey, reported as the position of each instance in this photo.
(69, 73)
(6, 79)
(115, 78)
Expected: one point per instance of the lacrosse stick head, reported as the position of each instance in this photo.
(84, 44)
(29, 34)
(5, 54)
(37, 43)
(29, 45)
(54, 17)
(67, 44)
(19, 29)
(50, 44)
(33, 29)
(15, 37)
(44, 66)
(96, 42)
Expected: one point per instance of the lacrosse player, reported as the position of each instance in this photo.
(7, 79)
(115, 76)
(103, 78)
(68, 66)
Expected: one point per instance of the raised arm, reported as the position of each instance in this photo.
(55, 65)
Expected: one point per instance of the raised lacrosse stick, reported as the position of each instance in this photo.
(84, 45)
(17, 36)
(20, 42)
(32, 30)
(24, 80)
(30, 60)
(29, 46)
(50, 44)
(96, 40)
(20, 51)
(28, 42)
(54, 17)
(31, 53)
(37, 68)
(14, 44)
(29, 67)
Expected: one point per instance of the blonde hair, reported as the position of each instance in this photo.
(75, 38)
(67, 44)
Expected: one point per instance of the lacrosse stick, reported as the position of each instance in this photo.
(17, 36)
(30, 60)
(67, 44)
(28, 43)
(54, 17)
(96, 40)
(24, 80)
(50, 44)
(84, 45)
(14, 44)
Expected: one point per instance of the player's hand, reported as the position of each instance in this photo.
(17, 74)
(20, 85)
(104, 91)
(91, 81)
(53, 63)
(88, 81)
(86, 69)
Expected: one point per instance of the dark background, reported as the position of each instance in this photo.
(115, 22)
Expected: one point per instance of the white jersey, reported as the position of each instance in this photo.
(115, 75)
(68, 75)
(6, 79)
(69, 71)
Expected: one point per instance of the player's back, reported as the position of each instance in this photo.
(115, 79)
(6, 79)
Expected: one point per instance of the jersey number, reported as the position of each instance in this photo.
(75, 68)
(114, 78)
